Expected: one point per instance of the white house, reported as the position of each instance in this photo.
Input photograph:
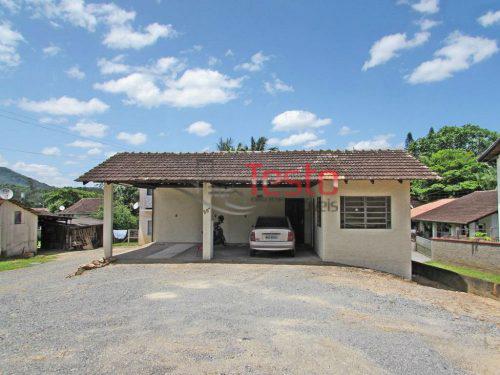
(352, 207)
(18, 229)
(492, 155)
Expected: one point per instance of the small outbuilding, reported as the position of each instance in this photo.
(18, 228)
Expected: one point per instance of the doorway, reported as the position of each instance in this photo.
(294, 210)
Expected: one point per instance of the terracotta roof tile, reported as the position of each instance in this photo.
(232, 166)
(84, 206)
(429, 206)
(464, 210)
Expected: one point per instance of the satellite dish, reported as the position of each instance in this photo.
(61, 208)
(136, 205)
(6, 194)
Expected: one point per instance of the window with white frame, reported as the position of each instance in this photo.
(365, 212)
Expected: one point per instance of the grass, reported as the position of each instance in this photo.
(7, 264)
(487, 276)
(125, 244)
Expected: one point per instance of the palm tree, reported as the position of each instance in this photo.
(225, 144)
(255, 145)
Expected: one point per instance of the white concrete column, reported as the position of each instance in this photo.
(208, 232)
(434, 230)
(498, 200)
(108, 221)
(472, 229)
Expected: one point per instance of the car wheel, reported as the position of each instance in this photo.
(292, 253)
(252, 253)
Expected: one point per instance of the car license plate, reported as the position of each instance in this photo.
(271, 236)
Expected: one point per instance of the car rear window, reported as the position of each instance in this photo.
(271, 222)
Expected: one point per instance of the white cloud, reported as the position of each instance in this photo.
(277, 86)
(255, 64)
(9, 41)
(427, 24)
(305, 139)
(194, 49)
(64, 106)
(212, 61)
(75, 72)
(51, 50)
(133, 139)
(489, 18)
(3, 161)
(110, 153)
(86, 144)
(124, 37)
(378, 142)
(229, 53)
(460, 53)
(90, 129)
(113, 66)
(426, 6)
(345, 130)
(94, 151)
(11, 5)
(200, 128)
(52, 120)
(45, 173)
(388, 47)
(120, 33)
(51, 151)
(194, 88)
(298, 120)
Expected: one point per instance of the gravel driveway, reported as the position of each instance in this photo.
(238, 318)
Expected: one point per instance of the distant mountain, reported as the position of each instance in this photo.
(9, 177)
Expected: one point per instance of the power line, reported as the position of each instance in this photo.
(56, 130)
(41, 153)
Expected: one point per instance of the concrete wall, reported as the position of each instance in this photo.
(482, 255)
(17, 238)
(145, 214)
(387, 250)
(423, 245)
(177, 213)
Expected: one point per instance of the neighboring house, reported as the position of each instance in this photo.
(84, 207)
(145, 216)
(18, 228)
(492, 155)
(461, 217)
(365, 223)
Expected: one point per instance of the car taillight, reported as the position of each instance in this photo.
(252, 236)
(290, 236)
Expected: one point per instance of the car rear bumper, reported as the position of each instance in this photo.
(272, 245)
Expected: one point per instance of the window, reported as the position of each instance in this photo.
(149, 191)
(18, 217)
(318, 211)
(271, 222)
(150, 227)
(365, 212)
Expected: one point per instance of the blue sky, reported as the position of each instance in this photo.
(81, 80)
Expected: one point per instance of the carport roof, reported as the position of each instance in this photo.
(143, 169)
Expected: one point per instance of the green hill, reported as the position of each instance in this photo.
(9, 177)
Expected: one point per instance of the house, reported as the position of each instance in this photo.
(84, 207)
(73, 228)
(461, 217)
(351, 207)
(492, 155)
(18, 228)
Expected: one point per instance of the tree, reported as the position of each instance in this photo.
(409, 140)
(123, 218)
(66, 197)
(128, 195)
(255, 145)
(461, 174)
(467, 137)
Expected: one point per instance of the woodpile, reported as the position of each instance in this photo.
(103, 262)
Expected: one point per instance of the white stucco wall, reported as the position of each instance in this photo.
(145, 214)
(17, 238)
(386, 250)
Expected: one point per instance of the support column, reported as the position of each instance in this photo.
(208, 232)
(434, 230)
(497, 234)
(108, 221)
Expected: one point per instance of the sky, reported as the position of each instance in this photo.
(82, 80)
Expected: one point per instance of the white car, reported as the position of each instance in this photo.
(272, 233)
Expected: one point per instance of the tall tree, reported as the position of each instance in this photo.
(259, 144)
(409, 140)
(225, 144)
(467, 137)
(460, 173)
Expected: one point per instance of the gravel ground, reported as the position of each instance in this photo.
(238, 318)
